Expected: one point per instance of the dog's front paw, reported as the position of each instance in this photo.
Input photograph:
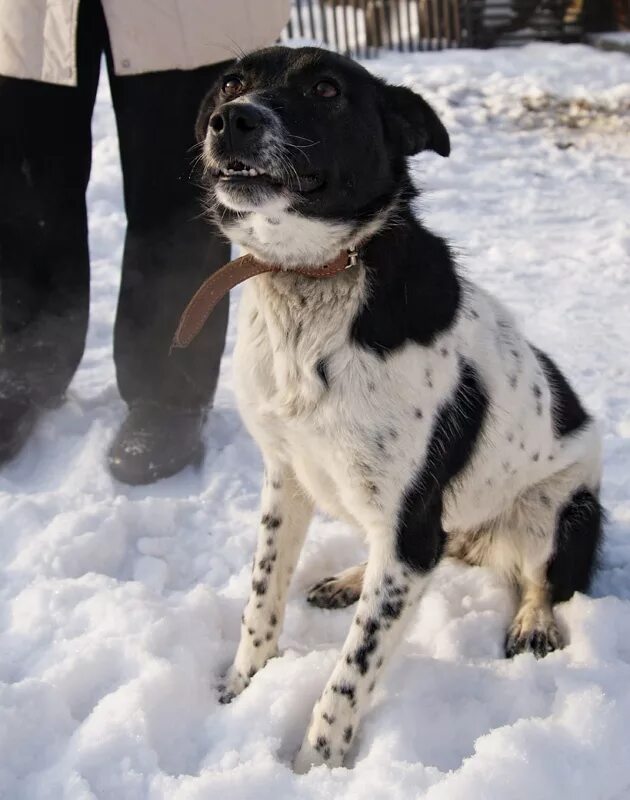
(307, 757)
(318, 748)
(233, 685)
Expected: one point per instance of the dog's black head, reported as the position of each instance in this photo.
(310, 131)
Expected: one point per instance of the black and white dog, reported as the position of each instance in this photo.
(396, 395)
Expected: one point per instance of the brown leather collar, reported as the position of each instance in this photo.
(234, 272)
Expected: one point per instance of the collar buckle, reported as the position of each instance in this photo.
(353, 259)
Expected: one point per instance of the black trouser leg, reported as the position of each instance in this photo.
(169, 248)
(45, 157)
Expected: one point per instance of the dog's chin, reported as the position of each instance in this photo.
(250, 197)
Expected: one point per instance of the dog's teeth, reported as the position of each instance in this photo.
(253, 172)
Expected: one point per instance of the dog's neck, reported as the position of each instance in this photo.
(405, 284)
(287, 238)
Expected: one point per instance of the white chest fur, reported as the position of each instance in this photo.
(352, 425)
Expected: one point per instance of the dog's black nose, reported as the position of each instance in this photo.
(236, 122)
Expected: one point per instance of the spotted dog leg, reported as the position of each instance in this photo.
(390, 590)
(286, 513)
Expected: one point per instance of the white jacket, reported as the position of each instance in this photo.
(38, 37)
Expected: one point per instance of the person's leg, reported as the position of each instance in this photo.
(169, 251)
(45, 157)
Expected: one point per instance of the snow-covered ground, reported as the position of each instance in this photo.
(119, 607)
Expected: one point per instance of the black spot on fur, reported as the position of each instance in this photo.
(416, 297)
(265, 564)
(271, 522)
(418, 413)
(260, 587)
(322, 370)
(347, 734)
(322, 742)
(371, 626)
(257, 642)
(252, 672)
(361, 656)
(578, 538)
(392, 608)
(536, 456)
(276, 485)
(567, 412)
(420, 536)
(329, 718)
(347, 690)
(367, 646)
(273, 620)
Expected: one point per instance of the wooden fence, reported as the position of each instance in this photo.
(362, 27)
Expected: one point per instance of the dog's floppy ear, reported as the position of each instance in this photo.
(414, 123)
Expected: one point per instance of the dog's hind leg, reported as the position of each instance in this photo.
(338, 591)
(571, 555)
(534, 628)
(285, 515)
(577, 541)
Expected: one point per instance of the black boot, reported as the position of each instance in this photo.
(18, 415)
(155, 442)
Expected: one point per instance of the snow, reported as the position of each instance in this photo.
(120, 607)
(612, 40)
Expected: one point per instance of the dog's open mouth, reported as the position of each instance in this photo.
(239, 173)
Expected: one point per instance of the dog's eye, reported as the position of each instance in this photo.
(232, 86)
(325, 89)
